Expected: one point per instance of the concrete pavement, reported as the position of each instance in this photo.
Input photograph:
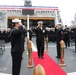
(6, 64)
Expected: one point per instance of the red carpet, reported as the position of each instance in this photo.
(49, 64)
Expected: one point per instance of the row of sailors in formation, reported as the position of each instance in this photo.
(67, 33)
(5, 34)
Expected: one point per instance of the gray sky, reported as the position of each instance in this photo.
(66, 7)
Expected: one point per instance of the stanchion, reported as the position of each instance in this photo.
(27, 31)
(46, 40)
(30, 54)
(62, 54)
(27, 40)
(39, 70)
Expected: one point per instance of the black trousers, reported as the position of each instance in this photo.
(58, 49)
(16, 63)
(67, 42)
(40, 47)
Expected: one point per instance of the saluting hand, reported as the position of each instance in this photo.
(38, 26)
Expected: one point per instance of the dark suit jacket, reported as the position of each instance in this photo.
(40, 33)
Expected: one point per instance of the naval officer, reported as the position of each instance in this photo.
(40, 38)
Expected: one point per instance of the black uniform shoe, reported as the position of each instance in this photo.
(42, 57)
(38, 56)
(58, 57)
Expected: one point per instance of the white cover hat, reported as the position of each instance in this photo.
(40, 22)
(58, 23)
(16, 20)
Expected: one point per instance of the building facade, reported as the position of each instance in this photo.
(49, 15)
